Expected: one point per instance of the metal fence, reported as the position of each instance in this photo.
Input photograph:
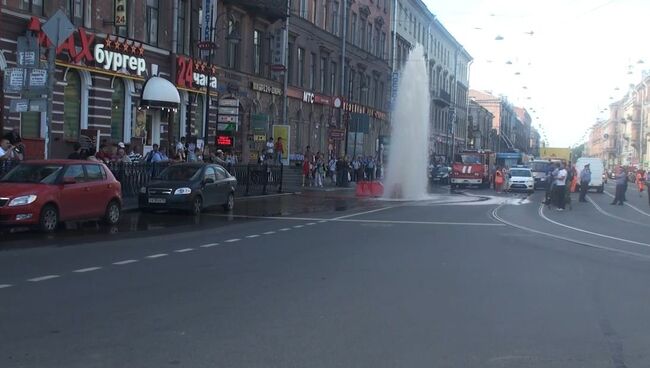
(251, 178)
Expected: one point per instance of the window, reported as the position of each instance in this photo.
(152, 22)
(233, 48)
(72, 106)
(32, 6)
(351, 94)
(301, 67)
(382, 45)
(380, 105)
(324, 15)
(290, 66)
(313, 11)
(335, 18)
(375, 91)
(312, 71)
(352, 38)
(303, 8)
(76, 11)
(210, 174)
(369, 40)
(94, 173)
(257, 52)
(76, 172)
(362, 35)
(117, 111)
(323, 74)
(221, 173)
(182, 9)
(333, 79)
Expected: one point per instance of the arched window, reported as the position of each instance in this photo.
(72, 106)
(199, 117)
(117, 111)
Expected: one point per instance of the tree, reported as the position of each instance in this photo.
(576, 152)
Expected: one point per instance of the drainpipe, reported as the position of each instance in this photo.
(172, 56)
(344, 36)
(285, 59)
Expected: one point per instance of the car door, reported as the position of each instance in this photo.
(223, 183)
(98, 188)
(75, 195)
(211, 194)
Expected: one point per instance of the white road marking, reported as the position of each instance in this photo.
(252, 236)
(298, 226)
(570, 240)
(184, 250)
(541, 213)
(364, 212)
(285, 229)
(612, 215)
(322, 221)
(43, 278)
(127, 261)
(157, 255)
(269, 232)
(89, 269)
(209, 245)
(424, 222)
(631, 206)
(232, 240)
(310, 224)
(4, 286)
(265, 217)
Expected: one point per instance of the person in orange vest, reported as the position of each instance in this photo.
(640, 177)
(498, 180)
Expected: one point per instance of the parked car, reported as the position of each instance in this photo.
(45, 193)
(440, 175)
(520, 179)
(190, 187)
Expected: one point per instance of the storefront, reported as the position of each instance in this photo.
(311, 117)
(98, 87)
(365, 125)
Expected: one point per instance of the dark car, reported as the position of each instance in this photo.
(45, 193)
(440, 175)
(189, 187)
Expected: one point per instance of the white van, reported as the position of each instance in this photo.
(597, 169)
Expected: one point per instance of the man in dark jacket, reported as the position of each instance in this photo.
(585, 179)
(621, 186)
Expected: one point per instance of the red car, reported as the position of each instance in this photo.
(45, 193)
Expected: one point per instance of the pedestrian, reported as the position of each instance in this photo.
(332, 170)
(370, 168)
(498, 180)
(122, 156)
(357, 168)
(76, 153)
(319, 171)
(269, 149)
(279, 150)
(104, 154)
(585, 179)
(91, 155)
(573, 178)
(640, 181)
(180, 150)
(560, 187)
(621, 184)
(306, 171)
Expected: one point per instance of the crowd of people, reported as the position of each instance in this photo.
(318, 169)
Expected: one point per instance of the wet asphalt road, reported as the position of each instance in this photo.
(492, 281)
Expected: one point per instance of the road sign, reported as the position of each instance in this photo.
(58, 28)
(231, 127)
(14, 80)
(19, 105)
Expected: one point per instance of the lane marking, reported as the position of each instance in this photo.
(293, 218)
(269, 232)
(43, 278)
(210, 245)
(253, 236)
(232, 240)
(184, 250)
(629, 205)
(570, 240)
(156, 255)
(599, 209)
(127, 261)
(365, 212)
(4, 286)
(397, 222)
(322, 221)
(541, 213)
(310, 224)
(298, 226)
(285, 229)
(88, 269)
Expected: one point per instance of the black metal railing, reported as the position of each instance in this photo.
(251, 178)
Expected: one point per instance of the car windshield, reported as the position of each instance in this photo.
(179, 173)
(539, 166)
(519, 172)
(471, 159)
(38, 174)
(442, 170)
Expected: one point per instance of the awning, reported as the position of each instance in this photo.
(158, 92)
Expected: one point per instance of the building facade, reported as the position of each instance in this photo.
(480, 127)
(503, 131)
(522, 129)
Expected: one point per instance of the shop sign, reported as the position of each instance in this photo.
(228, 110)
(259, 138)
(194, 73)
(224, 139)
(260, 87)
(116, 60)
(337, 134)
(230, 102)
(227, 118)
(309, 97)
(365, 110)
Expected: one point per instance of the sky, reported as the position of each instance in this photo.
(573, 57)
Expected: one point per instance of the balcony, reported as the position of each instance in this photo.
(441, 98)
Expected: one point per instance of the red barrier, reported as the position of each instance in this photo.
(362, 189)
(376, 189)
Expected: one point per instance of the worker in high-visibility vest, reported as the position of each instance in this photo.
(498, 180)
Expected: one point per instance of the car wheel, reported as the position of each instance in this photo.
(49, 219)
(197, 206)
(230, 202)
(112, 216)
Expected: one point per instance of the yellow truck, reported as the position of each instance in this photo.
(555, 153)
